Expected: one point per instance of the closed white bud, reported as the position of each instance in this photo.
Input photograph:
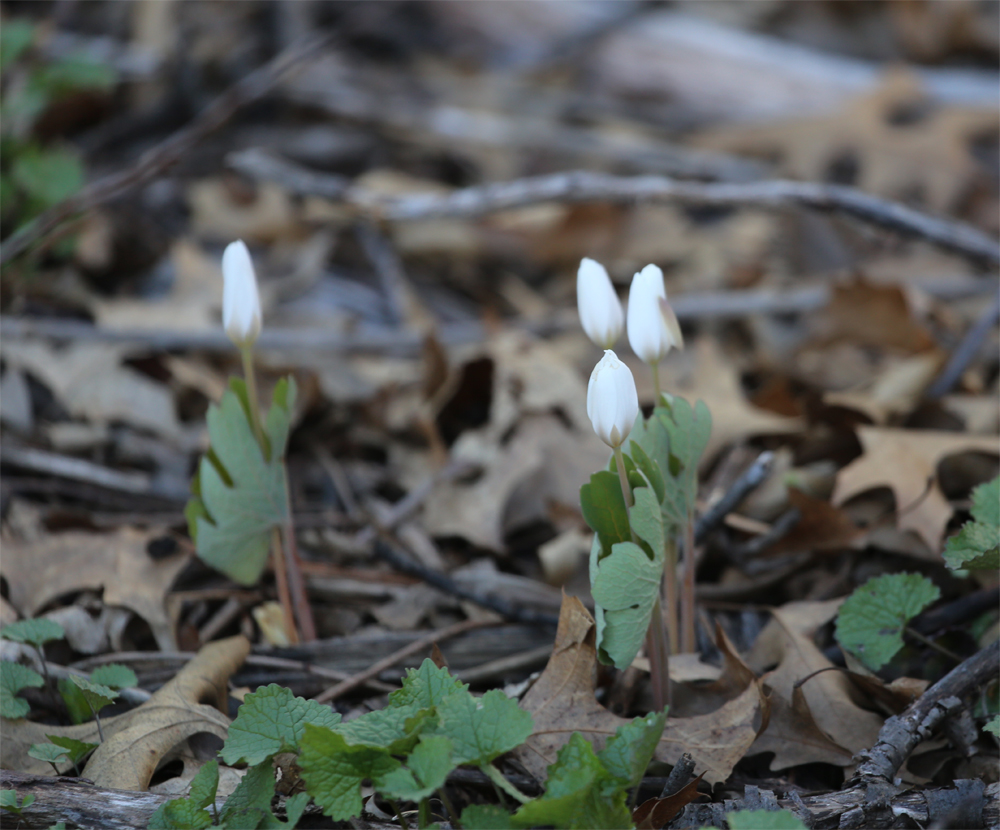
(652, 325)
(612, 402)
(240, 301)
(600, 309)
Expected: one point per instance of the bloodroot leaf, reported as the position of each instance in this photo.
(240, 492)
(871, 620)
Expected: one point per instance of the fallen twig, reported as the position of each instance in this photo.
(901, 733)
(373, 671)
(254, 86)
(748, 480)
(966, 350)
(387, 552)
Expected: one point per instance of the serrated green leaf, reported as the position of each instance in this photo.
(426, 769)
(629, 751)
(482, 729)
(242, 490)
(13, 678)
(393, 728)
(76, 703)
(205, 784)
(579, 793)
(33, 632)
(986, 503)
(426, 686)
(993, 725)
(977, 544)
(764, 820)
(75, 750)
(50, 174)
(250, 803)
(96, 695)
(15, 37)
(334, 770)
(625, 586)
(871, 620)
(50, 753)
(180, 814)
(114, 676)
(486, 817)
(271, 720)
(603, 507)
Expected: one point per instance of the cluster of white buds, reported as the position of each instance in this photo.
(653, 330)
(241, 315)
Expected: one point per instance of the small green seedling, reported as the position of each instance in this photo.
(69, 748)
(35, 633)
(871, 621)
(764, 820)
(96, 696)
(10, 801)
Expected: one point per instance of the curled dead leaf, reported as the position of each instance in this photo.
(562, 701)
(136, 742)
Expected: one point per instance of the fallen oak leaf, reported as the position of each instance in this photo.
(36, 573)
(814, 720)
(905, 460)
(173, 714)
(562, 701)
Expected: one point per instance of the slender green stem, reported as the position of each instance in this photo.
(623, 478)
(655, 369)
(246, 352)
(450, 808)
(688, 626)
(50, 689)
(97, 720)
(399, 814)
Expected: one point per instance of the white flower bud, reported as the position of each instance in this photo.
(600, 309)
(612, 402)
(240, 301)
(652, 325)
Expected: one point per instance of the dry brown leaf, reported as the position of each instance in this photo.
(821, 526)
(92, 382)
(192, 304)
(656, 812)
(906, 460)
(896, 390)
(136, 742)
(892, 158)
(692, 698)
(218, 211)
(817, 721)
(128, 759)
(562, 702)
(39, 571)
(867, 314)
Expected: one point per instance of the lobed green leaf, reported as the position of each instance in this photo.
(482, 729)
(629, 751)
(272, 720)
(35, 632)
(114, 676)
(13, 678)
